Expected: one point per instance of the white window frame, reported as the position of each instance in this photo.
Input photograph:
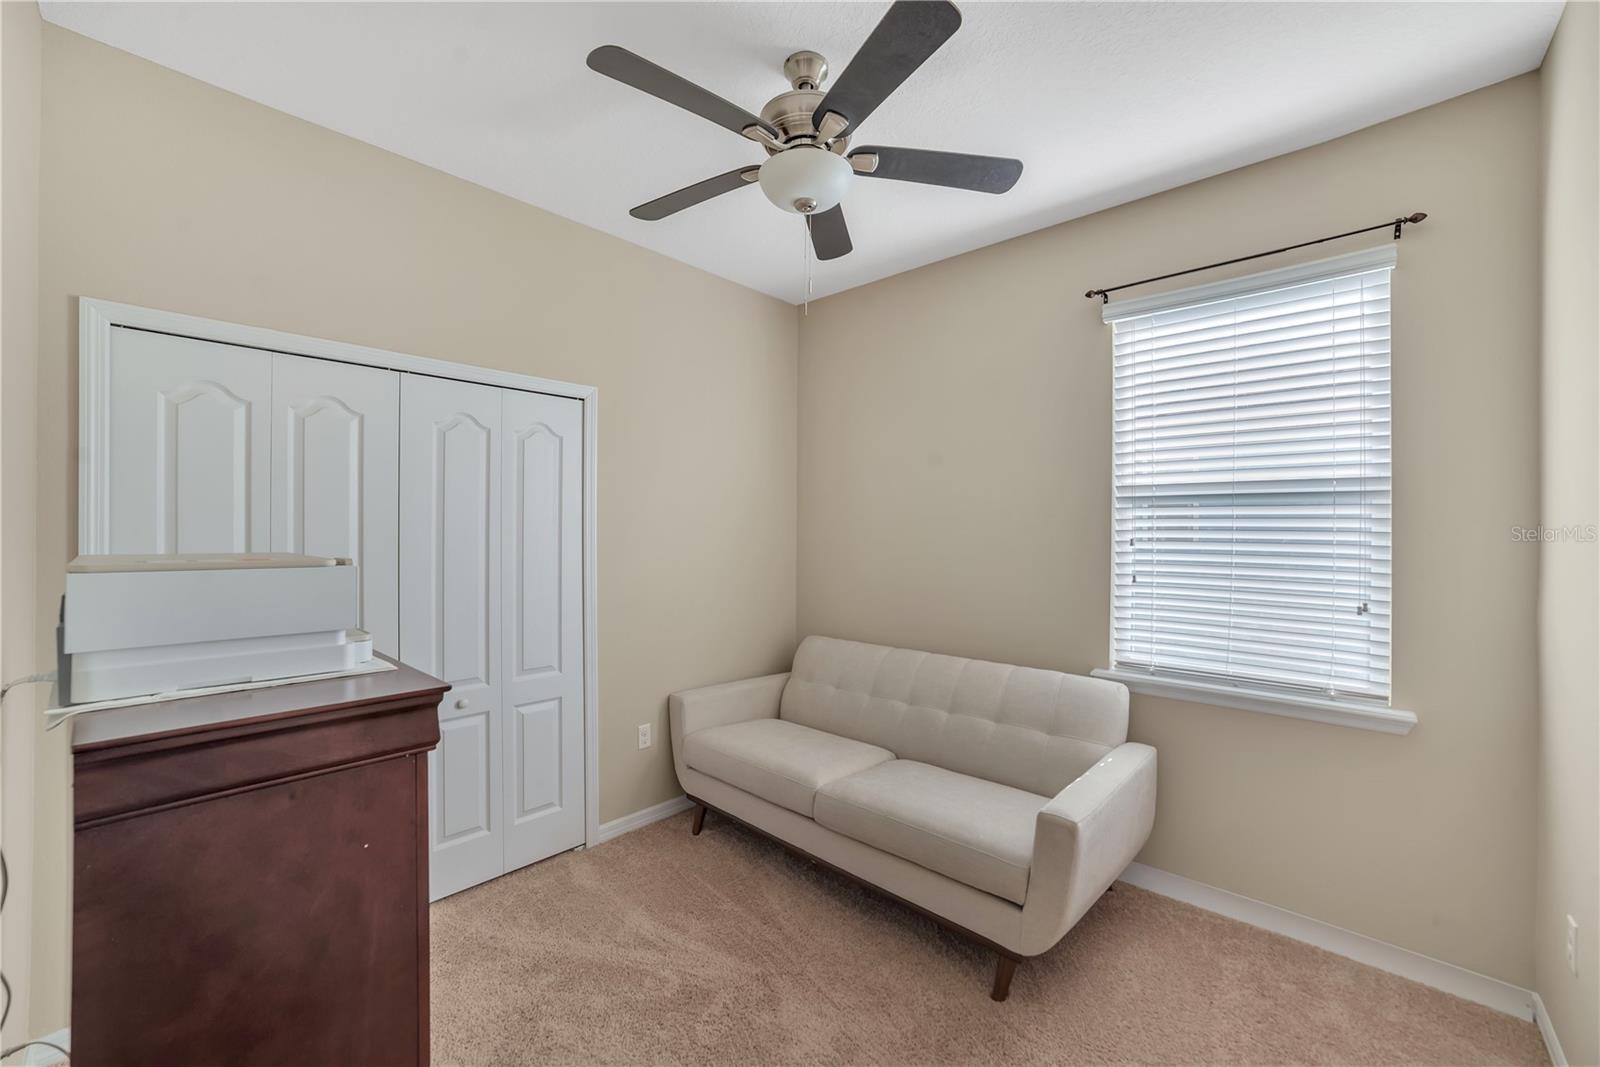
(1242, 694)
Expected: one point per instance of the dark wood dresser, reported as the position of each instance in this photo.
(250, 877)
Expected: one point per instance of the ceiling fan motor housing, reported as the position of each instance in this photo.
(792, 113)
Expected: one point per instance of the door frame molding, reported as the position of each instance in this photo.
(96, 317)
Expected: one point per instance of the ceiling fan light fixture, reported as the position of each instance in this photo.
(805, 180)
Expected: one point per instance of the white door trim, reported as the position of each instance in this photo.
(97, 317)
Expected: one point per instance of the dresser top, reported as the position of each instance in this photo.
(179, 718)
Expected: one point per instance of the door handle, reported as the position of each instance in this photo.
(461, 703)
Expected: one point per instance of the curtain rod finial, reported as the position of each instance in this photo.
(1414, 217)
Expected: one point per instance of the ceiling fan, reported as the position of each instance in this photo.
(806, 132)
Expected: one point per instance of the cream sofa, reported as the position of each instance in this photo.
(999, 800)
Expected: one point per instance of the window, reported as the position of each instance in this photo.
(1251, 482)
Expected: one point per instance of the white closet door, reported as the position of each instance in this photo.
(336, 476)
(542, 632)
(450, 607)
(189, 452)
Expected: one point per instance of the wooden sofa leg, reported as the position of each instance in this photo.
(699, 819)
(1004, 968)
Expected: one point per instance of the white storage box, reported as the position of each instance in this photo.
(119, 673)
(125, 602)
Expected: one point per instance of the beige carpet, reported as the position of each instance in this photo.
(660, 947)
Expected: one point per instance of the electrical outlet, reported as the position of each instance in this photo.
(1572, 944)
(644, 735)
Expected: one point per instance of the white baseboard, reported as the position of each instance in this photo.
(43, 1056)
(1547, 1030)
(1458, 981)
(644, 817)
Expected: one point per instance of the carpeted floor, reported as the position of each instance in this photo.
(663, 948)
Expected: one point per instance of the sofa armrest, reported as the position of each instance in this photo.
(719, 705)
(1084, 838)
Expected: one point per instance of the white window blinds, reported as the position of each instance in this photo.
(1252, 498)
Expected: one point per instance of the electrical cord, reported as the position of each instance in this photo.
(5, 986)
(5, 890)
(31, 679)
(30, 1044)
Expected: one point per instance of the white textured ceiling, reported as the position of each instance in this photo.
(1103, 103)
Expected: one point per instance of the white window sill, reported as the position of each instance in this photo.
(1314, 709)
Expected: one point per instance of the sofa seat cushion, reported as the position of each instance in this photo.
(778, 761)
(978, 832)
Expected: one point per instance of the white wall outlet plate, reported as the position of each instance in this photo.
(1572, 944)
(644, 735)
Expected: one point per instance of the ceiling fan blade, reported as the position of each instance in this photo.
(630, 69)
(829, 235)
(983, 174)
(690, 195)
(909, 33)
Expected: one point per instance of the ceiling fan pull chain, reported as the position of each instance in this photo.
(805, 267)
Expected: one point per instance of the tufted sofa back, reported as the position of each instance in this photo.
(1031, 729)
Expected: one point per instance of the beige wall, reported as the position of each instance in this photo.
(955, 496)
(953, 467)
(162, 191)
(19, 337)
(1569, 579)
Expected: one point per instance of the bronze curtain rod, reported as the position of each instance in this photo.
(1105, 294)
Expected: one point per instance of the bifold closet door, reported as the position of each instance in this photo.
(188, 446)
(461, 503)
(450, 445)
(336, 477)
(542, 523)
